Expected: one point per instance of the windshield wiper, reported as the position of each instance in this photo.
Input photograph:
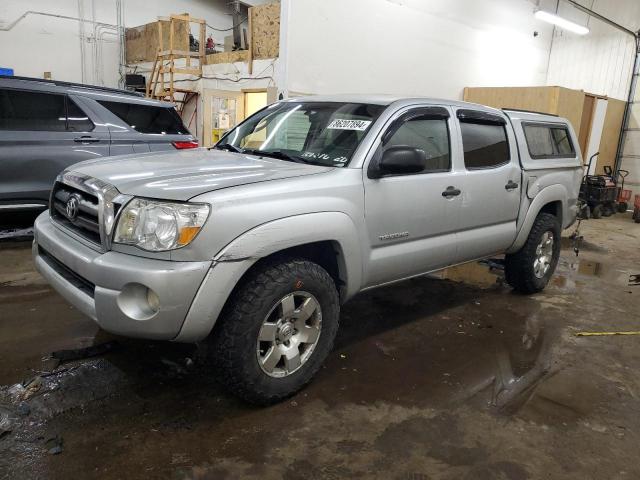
(229, 147)
(279, 154)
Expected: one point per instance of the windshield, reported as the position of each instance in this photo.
(321, 133)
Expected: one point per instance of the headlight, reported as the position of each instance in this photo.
(158, 226)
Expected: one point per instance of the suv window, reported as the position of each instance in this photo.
(485, 144)
(77, 120)
(32, 111)
(428, 134)
(548, 141)
(148, 118)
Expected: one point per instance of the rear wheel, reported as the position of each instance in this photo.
(596, 212)
(530, 268)
(276, 331)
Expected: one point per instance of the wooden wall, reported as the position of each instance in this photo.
(575, 105)
(265, 34)
(555, 100)
(610, 134)
(227, 57)
(569, 104)
(142, 42)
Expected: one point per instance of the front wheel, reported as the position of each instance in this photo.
(530, 268)
(276, 330)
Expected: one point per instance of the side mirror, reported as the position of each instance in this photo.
(400, 160)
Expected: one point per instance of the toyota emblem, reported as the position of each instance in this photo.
(72, 207)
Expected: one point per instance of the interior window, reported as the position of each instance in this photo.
(32, 111)
(428, 134)
(148, 118)
(485, 144)
(286, 135)
(77, 120)
(562, 142)
(548, 141)
(322, 133)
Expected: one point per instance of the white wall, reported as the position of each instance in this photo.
(631, 151)
(413, 47)
(38, 44)
(601, 61)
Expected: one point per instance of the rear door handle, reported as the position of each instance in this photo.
(511, 185)
(86, 139)
(451, 192)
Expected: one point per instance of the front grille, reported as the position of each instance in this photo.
(85, 222)
(65, 272)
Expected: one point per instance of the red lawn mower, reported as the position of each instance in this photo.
(602, 194)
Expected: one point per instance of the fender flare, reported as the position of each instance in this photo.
(284, 233)
(234, 260)
(552, 193)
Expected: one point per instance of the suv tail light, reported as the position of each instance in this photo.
(183, 145)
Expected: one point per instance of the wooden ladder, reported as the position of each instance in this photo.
(162, 82)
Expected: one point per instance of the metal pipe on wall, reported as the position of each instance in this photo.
(82, 21)
(81, 35)
(11, 25)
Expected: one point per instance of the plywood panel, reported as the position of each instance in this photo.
(610, 134)
(554, 100)
(539, 99)
(265, 34)
(227, 57)
(142, 42)
(569, 105)
(585, 123)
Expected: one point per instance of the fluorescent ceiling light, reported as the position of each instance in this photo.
(561, 22)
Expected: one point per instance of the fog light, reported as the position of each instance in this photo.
(138, 302)
(153, 300)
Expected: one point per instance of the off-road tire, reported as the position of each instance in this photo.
(596, 212)
(519, 270)
(231, 348)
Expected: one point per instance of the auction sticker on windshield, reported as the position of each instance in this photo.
(340, 124)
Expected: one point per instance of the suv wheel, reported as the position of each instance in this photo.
(276, 330)
(529, 269)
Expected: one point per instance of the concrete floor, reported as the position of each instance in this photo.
(430, 378)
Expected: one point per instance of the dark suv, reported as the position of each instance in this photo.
(45, 126)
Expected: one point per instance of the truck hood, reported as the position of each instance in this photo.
(184, 175)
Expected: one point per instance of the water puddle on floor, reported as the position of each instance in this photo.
(590, 268)
(485, 274)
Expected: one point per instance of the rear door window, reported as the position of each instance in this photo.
(32, 111)
(484, 139)
(148, 118)
(548, 141)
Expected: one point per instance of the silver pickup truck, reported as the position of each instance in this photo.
(252, 246)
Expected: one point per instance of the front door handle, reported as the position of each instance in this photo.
(86, 139)
(511, 185)
(451, 192)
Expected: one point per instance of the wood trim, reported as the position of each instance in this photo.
(250, 46)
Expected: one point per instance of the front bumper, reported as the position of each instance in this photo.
(111, 287)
